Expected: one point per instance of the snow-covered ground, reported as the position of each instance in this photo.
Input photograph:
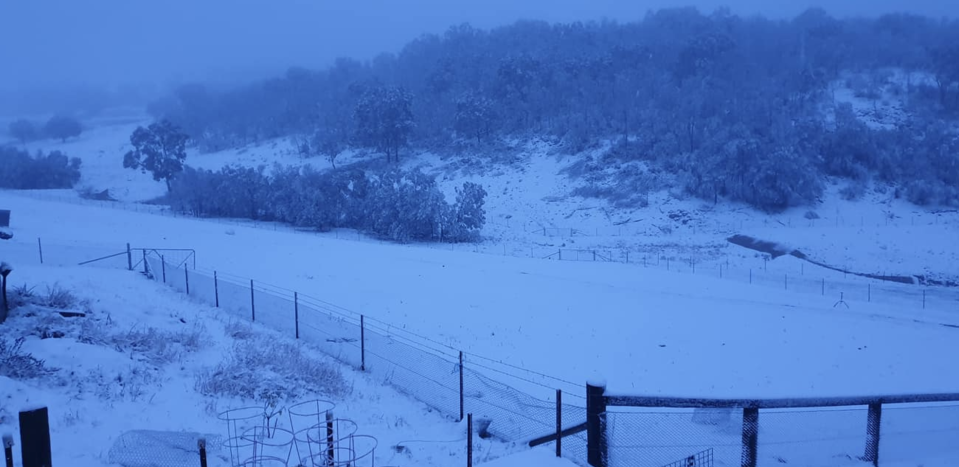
(132, 363)
(679, 311)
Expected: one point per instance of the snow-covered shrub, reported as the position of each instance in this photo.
(159, 347)
(269, 371)
(21, 171)
(238, 330)
(17, 364)
(131, 383)
(57, 297)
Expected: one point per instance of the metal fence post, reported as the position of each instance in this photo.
(296, 312)
(252, 303)
(129, 258)
(216, 290)
(559, 423)
(362, 343)
(462, 399)
(40, 248)
(596, 449)
(146, 269)
(186, 276)
(163, 267)
(750, 436)
(873, 423)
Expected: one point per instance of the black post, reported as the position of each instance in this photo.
(873, 422)
(186, 275)
(786, 282)
(145, 267)
(252, 303)
(559, 423)
(201, 443)
(40, 247)
(596, 450)
(362, 343)
(216, 290)
(330, 453)
(469, 440)
(296, 312)
(129, 257)
(462, 401)
(750, 437)
(163, 267)
(8, 450)
(750, 276)
(35, 438)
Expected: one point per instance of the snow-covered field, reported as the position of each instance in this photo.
(689, 315)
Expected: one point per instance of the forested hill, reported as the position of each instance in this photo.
(730, 107)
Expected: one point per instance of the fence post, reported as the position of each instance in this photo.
(462, 399)
(824, 287)
(252, 303)
(362, 343)
(873, 422)
(469, 440)
(559, 423)
(296, 312)
(216, 290)
(8, 450)
(146, 269)
(868, 292)
(595, 424)
(750, 276)
(201, 443)
(560, 254)
(129, 258)
(40, 248)
(163, 267)
(786, 282)
(750, 436)
(186, 276)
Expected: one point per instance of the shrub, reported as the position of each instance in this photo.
(20, 171)
(16, 364)
(269, 371)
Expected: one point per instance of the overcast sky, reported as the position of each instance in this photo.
(98, 42)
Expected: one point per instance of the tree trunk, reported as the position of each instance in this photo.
(169, 186)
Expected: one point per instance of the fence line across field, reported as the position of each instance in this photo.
(849, 289)
(449, 381)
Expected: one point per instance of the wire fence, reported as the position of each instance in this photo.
(913, 434)
(508, 402)
(711, 259)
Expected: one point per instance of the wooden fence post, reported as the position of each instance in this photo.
(146, 269)
(129, 258)
(201, 443)
(469, 440)
(596, 448)
(873, 423)
(750, 437)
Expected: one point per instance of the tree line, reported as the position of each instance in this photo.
(732, 106)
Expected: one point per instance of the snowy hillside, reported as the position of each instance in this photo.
(143, 349)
